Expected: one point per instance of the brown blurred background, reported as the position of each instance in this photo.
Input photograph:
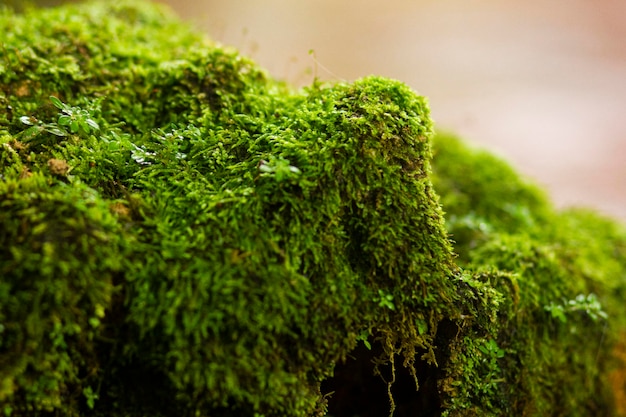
(540, 82)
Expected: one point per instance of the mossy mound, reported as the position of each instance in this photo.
(559, 280)
(184, 236)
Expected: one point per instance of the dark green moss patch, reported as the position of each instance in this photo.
(557, 315)
(181, 235)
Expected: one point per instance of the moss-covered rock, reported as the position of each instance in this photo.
(184, 236)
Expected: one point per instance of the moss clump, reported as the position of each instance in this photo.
(61, 252)
(558, 281)
(184, 236)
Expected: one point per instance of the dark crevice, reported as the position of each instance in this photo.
(357, 392)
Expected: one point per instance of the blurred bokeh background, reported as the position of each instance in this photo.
(542, 83)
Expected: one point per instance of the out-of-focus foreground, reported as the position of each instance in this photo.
(541, 83)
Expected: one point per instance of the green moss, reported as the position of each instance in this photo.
(61, 255)
(482, 194)
(184, 236)
(559, 278)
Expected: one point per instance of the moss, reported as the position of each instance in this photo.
(61, 255)
(482, 194)
(559, 277)
(186, 236)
